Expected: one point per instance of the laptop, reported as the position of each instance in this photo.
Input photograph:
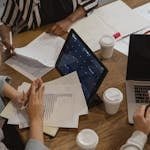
(77, 56)
(138, 73)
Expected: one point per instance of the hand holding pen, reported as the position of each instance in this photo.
(6, 38)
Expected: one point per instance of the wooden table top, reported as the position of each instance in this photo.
(113, 130)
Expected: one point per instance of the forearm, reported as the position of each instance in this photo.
(135, 142)
(4, 32)
(10, 92)
(76, 15)
(36, 130)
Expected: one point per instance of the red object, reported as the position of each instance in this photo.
(117, 35)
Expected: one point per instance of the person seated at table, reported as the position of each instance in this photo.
(142, 130)
(22, 15)
(35, 111)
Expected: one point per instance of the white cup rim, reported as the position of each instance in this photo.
(118, 100)
(105, 44)
(80, 139)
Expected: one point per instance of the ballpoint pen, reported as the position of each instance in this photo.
(11, 42)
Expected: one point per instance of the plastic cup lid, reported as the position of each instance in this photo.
(107, 40)
(87, 139)
(113, 95)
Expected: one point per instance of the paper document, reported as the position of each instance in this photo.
(30, 68)
(45, 49)
(68, 84)
(10, 113)
(64, 102)
(38, 57)
(110, 19)
(123, 44)
(144, 11)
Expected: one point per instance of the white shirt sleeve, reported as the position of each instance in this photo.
(135, 142)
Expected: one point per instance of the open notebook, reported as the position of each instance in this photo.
(38, 57)
(114, 19)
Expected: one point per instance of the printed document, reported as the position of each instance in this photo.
(38, 57)
(64, 102)
(45, 49)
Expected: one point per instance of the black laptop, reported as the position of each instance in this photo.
(138, 73)
(77, 56)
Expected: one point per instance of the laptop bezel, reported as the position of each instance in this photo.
(132, 42)
(101, 78)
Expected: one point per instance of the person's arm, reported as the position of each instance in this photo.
(7, 21)
(35, 112)
(142, 125)
(10, 92)
(5, 36)
(84, 8)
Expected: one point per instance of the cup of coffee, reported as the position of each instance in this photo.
(87, 139)
(107, 43)
(112, 98)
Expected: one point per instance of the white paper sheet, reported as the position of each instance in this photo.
(68, 84)
(109, 19)
(144, 11)
(10, 112)
(64, 102)
(28, 60)
(30, 68)
(123, 44)
(44, 49)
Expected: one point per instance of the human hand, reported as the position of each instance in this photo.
(5, 38)
(20, 99)
(60, 28)
(35, 107)
(142, 123)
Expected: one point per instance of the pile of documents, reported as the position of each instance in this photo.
(38, 57)
(64, 102)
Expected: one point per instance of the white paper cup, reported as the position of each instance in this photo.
(107, 46)
(87, 139)
(112, 98)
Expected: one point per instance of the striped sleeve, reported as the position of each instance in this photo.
(10, 13)
(88, 5)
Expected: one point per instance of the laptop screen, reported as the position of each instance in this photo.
(139, 58)
(77, 56)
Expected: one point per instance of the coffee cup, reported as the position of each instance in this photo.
(112, 98)
(87, 139)
(107, 43)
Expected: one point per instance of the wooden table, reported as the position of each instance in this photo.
(113, 130)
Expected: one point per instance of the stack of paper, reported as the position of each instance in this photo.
(64, 102)
(38, 57)
(110, 19)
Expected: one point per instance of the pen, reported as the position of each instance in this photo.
(11, 42)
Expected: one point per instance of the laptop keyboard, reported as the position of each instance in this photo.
(141, 94)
